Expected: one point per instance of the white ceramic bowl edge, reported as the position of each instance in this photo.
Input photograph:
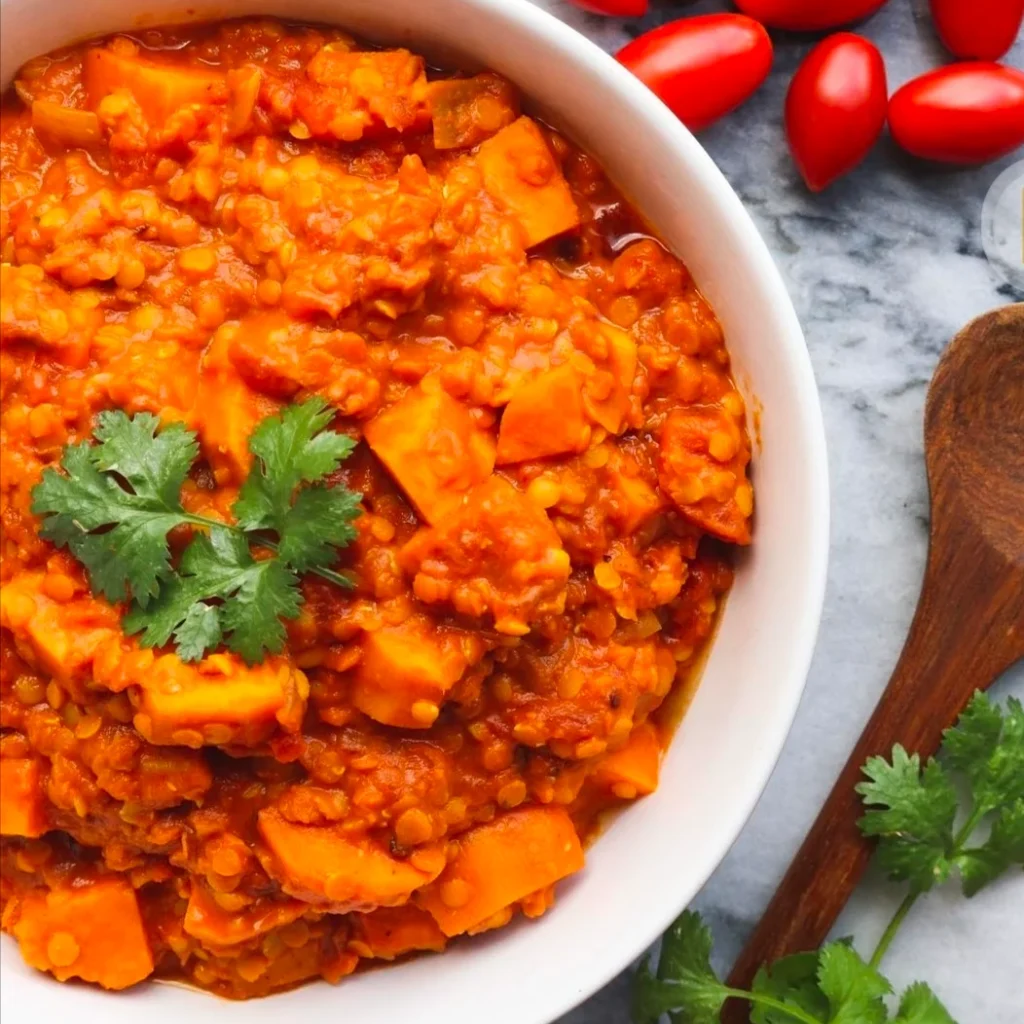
(657, 855)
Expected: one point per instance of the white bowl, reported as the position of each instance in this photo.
(658, 854)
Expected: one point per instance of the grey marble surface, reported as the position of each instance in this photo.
(883, 268)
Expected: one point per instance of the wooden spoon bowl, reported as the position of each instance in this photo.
(967, 630)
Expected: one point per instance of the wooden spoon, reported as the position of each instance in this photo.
(968, 628)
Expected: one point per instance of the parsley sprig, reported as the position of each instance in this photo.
(117, 500)
(925, 833)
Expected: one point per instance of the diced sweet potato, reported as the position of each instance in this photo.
(207, 921)
(502, 862)
(522, 176)
(355, 94)
(329, 867)
(495, 553)
(218, 700)
(22, 807)
(160, 89)
(66, 125)
(63, 638)
(405, 672)
(90, 931)
(634, 766)
(465, 111)
(279, 357)
(226, 412)
(431, 446)
(631, 500)
(609, 410)
(392, 931)
(544, 416)
(215, 701)
(244, 88)
(702, 467)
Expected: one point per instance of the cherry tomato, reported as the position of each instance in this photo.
(835, 108)
(978, 29)
(960, 114)
(701, 67)
(614, 8)
(808, 15)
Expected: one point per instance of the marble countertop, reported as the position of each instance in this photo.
(883, 268)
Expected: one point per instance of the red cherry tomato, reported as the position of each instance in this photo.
(701, 67)
(960, 114)
(978, 29)
(808, 15)
(835, 108)
(613, 8)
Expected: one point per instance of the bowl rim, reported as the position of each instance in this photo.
(681, 147)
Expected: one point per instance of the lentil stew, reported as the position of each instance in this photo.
(207, 223)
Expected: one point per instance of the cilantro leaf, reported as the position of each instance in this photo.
(1003, 849)
(916, 826)
(267, 591)
(129, 554)
(920, 1005)
(117, 500)
(685, 982)
(854, 989)
(256, 594)
(290, 449)
(155, 464)
(319, 521)
(792, 981)
(199, 631)
(989, 750)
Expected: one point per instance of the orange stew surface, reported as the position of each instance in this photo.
(208, 223)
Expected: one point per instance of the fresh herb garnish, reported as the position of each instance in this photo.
(117, 500)
(913, 810)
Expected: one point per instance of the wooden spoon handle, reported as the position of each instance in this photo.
(962, 639)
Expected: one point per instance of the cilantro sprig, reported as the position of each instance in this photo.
(927, 832)
(115, 502)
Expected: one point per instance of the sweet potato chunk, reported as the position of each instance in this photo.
(226, 412)
(495, 553)
(279, 357)
(390, 932)
(329, 867)
(702, 468)
(545, 416)
(217, 701)
(631, 500)
(207, 921)
(433, 449)
(609, 404)
(405, 672)
(522, 176)
(634, 766)
(92, 931)
(465, 111)
(502, 862)
(160, 89)
(66, 125)
(355, 94)
(62, 638)
(22, 807)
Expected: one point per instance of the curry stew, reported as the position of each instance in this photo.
(206, 224)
